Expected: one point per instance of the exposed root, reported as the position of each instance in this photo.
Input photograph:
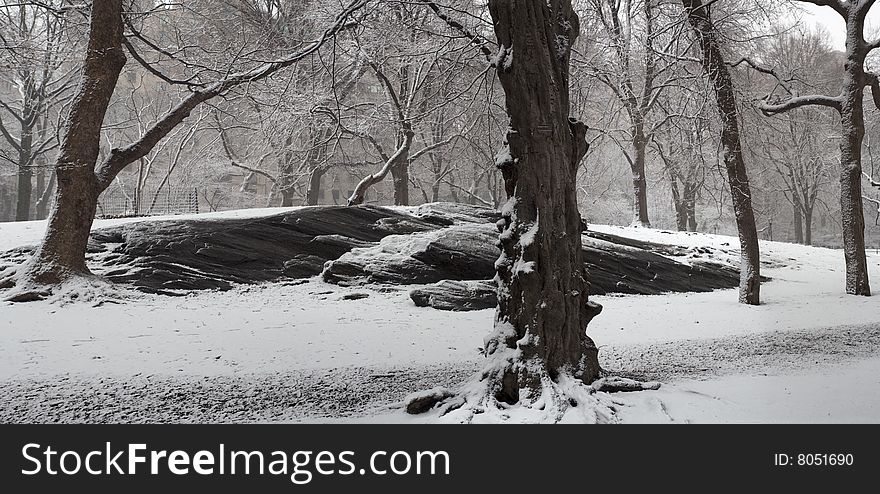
(615, 384)
(487, 398)
(83, 288)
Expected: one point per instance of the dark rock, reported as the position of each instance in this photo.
(459, 252)
(456, 295)
(216, 254)
(355, 296)
(359, 245)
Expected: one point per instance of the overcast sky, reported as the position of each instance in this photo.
(833, 23)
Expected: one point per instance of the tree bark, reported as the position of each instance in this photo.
(725, 100)
(808, 226)
(853, 128)
(681, 219)
(400, 178)
(543, 311)
(640, 181)
(24, 192)
(798, 222)
(314, 194)
(690, 206)
(62, 252)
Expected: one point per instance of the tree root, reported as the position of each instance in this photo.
(28, 295)
(615, 384)
(563, 398)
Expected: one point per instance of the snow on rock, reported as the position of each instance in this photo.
(457, 295)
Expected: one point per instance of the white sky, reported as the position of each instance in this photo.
(833, 23)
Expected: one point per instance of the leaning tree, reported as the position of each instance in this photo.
(81, 179)
(849, 105)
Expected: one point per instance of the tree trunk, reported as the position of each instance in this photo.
(678, 203)
(640, 182)
(543, 311)
(400, 177)
(690, 206)
(853, 128)
(798, 222)
(725, 100)
(23, 196)
(808, 226)
(62, 252)
(314, 193)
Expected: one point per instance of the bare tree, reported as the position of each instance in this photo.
(715, 68)
(850, 106)
(539, 349)
(61, 255)
(37, 69)
(632, 67)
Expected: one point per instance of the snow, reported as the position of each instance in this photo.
(280, 327)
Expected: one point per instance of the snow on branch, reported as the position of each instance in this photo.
(837, 5)
(120, 158)
(475, 39)
(795, 101)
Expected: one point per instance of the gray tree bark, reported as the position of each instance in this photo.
(543, 310)
(725, 101)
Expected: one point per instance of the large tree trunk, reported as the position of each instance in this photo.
(62, 252)
(725, 100)
(797, 220)
(543, 311)
(853, 127)
(640, 181)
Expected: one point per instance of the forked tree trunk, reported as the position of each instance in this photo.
(62, 252)
(725, 100)
(543, 311)
(678, 203)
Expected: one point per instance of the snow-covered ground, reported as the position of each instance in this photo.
(790, 359)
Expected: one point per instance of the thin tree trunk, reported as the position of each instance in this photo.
(690, 206)
(808, 226)
(43, 203)
(62, 252)
(543, 311)
(725, 100)
(678, 203)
